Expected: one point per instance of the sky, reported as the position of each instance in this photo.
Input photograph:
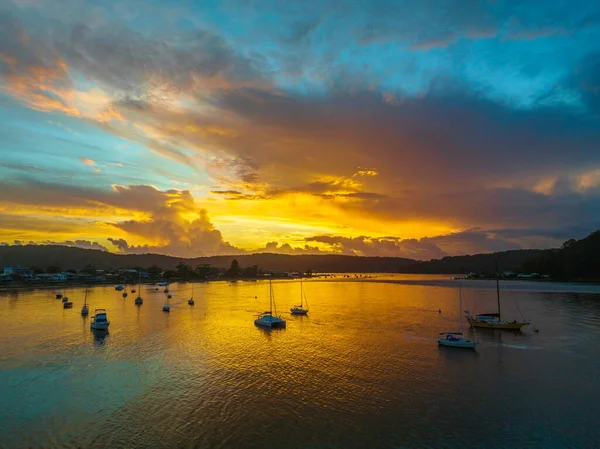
(416, 128)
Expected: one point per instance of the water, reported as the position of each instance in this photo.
(363, 370)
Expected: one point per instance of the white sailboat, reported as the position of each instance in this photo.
(139, 301)
(268, 319)
(300, 310)
(85, 309)
(455, 339)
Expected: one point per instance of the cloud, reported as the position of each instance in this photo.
(311, 118)
(86, 244)
(286, 248)
(427, 248)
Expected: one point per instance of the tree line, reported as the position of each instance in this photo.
(575, 260)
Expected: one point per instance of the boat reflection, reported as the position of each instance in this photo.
(99, 336)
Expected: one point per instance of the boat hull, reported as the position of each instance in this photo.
(270, 324)
(465, 344)
(99, 326)
(496, 325)
(298, 311)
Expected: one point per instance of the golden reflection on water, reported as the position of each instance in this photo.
(363, 362)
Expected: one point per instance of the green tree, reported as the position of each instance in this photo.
(183, 270)
(154, 271)
(52, 269)
(89, 269)
(234, 270)
(204, 270)
(251, 272)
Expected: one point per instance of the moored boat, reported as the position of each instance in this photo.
(84, 309)
(300, 310)
(191, 301)
(456, 339)
(100, 321)
(139, 301)
(494, 320)
(270, 319)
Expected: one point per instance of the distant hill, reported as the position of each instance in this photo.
(507, 261)
(67, 258)
(42, 256)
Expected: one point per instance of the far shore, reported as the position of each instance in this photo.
(59, 287)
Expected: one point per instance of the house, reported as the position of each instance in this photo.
(19, 270)
(59, 277)
(5, 278)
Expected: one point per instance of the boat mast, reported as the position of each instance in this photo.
(498, 290)
(270, 296)
(85, 298)
(301, 294)
(460, 307)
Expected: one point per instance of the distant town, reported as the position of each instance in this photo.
(52, 275)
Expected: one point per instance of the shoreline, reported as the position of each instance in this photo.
(328, 277)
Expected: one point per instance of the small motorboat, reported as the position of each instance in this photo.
(67, 305)
(119, 287)
(65, 299)
(169, 296)
(58, 295)
(124, 294)
(167, 306)
(133, 290)
(166, 290)
(99, 321)
(139, 301)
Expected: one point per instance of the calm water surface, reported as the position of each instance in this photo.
(363, 370)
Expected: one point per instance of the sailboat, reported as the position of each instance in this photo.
(139, 301)
(191, 300)
(267, 319)
(167, 306)
(84, 309)
(64, 298)
(300, 310)
(455, 339)
(494, 320)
